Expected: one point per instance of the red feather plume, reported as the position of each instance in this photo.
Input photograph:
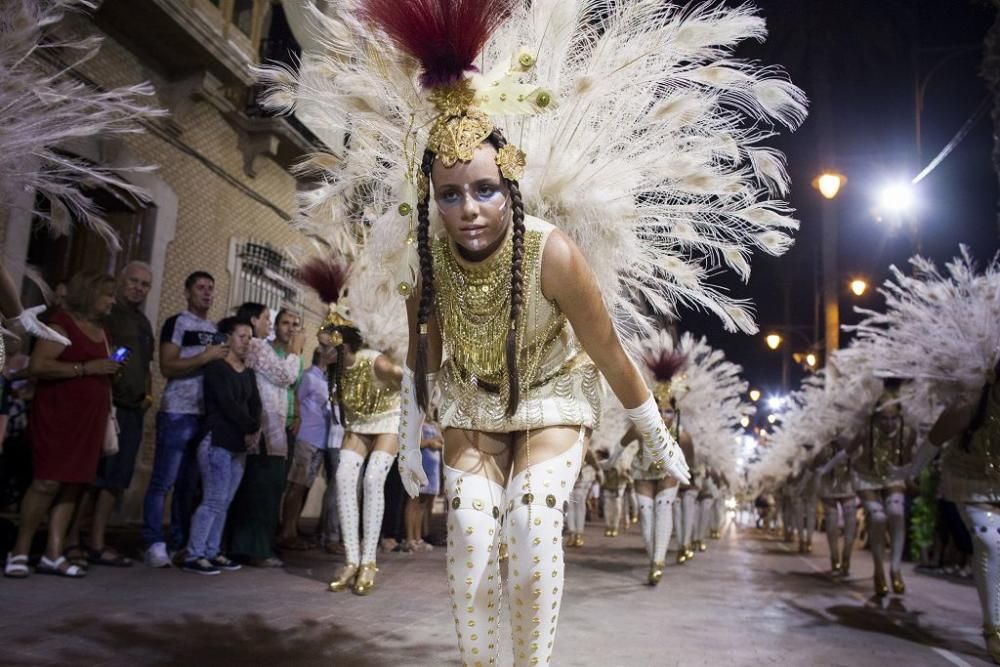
(665, 365)
(326, 275)
(446, 36)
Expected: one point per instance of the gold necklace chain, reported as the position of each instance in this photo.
(473, 306)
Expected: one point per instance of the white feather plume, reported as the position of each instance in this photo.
(649, 159)
(44, 107)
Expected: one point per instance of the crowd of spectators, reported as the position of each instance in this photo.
(243, 431)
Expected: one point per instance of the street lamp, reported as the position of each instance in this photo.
(755, 395)
(745, 421)
(897, 198)
(773, 341)
(771, 419)
(811, 360)
(859, 286)
(829, 184)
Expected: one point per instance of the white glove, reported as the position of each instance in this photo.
(663, 451)
(28, 320)
(411, 419)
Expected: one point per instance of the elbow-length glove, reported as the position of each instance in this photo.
(663, 451)
(411, 419)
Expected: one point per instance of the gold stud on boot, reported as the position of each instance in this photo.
(655, 573)
(898, 587)
(881, 588)
(365, 581)
(502, 553)
(344, 578)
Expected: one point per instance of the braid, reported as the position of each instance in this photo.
(338, 384)
(516, 281)
(426, 286)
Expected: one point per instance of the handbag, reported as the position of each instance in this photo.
(110, 447)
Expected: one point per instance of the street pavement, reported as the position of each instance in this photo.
(749, 600)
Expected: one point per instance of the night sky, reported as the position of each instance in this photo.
(872, 51)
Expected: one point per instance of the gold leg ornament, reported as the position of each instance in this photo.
(655, 572)
(898, 587)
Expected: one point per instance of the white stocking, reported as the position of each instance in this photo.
(376, 471)
(704, 517)
(612, 509)
(647, 523)
(664, 511)
(678, 513)
(849, 507)
(536, 570)
(984, 526)
(897, 528)
(689, 508)
(473, 565)
(832, 529)
(876, 532)
(809, 510)
(576, 517)
(348, 472)
(717, 513)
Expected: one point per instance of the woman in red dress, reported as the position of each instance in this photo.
(68, 420)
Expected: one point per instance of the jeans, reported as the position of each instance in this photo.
(175, 465)
(221, 472)
(330, 522)
(115, 472)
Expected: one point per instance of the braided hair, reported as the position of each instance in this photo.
(350, 337)
(497, 140)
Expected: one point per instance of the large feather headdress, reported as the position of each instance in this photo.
(648, 154)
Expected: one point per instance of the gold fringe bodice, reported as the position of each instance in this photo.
(559, 384)
(367, 401)
(979, 458)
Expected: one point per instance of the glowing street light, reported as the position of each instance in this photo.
(755, 395)
(859, 286)
(776, 402)
(773, 341)
(829, 184)
(811, 360)
(897, 198)
(771, 419)
(745, 422)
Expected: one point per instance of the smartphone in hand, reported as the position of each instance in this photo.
(121, 354)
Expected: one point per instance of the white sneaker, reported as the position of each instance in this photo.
(156, 555)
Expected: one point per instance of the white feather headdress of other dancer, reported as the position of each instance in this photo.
(46, 107)
(708, 391)
(642, 132)
(941, 328)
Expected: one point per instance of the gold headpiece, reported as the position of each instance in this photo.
(464, 123)
(335, 321)
(662, 393)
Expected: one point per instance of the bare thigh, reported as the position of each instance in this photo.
(358, 443)
(870, 496)
(485, 454)
(650, 488)
(546, 443)
(386, 442)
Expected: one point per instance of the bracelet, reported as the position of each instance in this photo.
(78, 369)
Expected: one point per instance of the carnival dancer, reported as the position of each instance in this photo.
(719, 506)
(706, 503)
(510, 313)
(807, 497)
(840, 505)
(878, 475)
(616, 477)
(576, 512)
(955, 313)
(658, 492)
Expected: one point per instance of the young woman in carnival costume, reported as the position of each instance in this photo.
(657, 491)
(840, 505)
(364, 385)
(955, 313)
(649, 184)
(576, 513)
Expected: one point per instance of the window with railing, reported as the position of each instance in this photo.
(262, 274)
(242, 22)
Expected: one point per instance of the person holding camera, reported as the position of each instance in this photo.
(68, 421)
(188, 342)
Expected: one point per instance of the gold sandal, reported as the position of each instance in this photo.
(655, 573)
(365, 581)
(992, 635)
(881, 588)
(344, 578)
